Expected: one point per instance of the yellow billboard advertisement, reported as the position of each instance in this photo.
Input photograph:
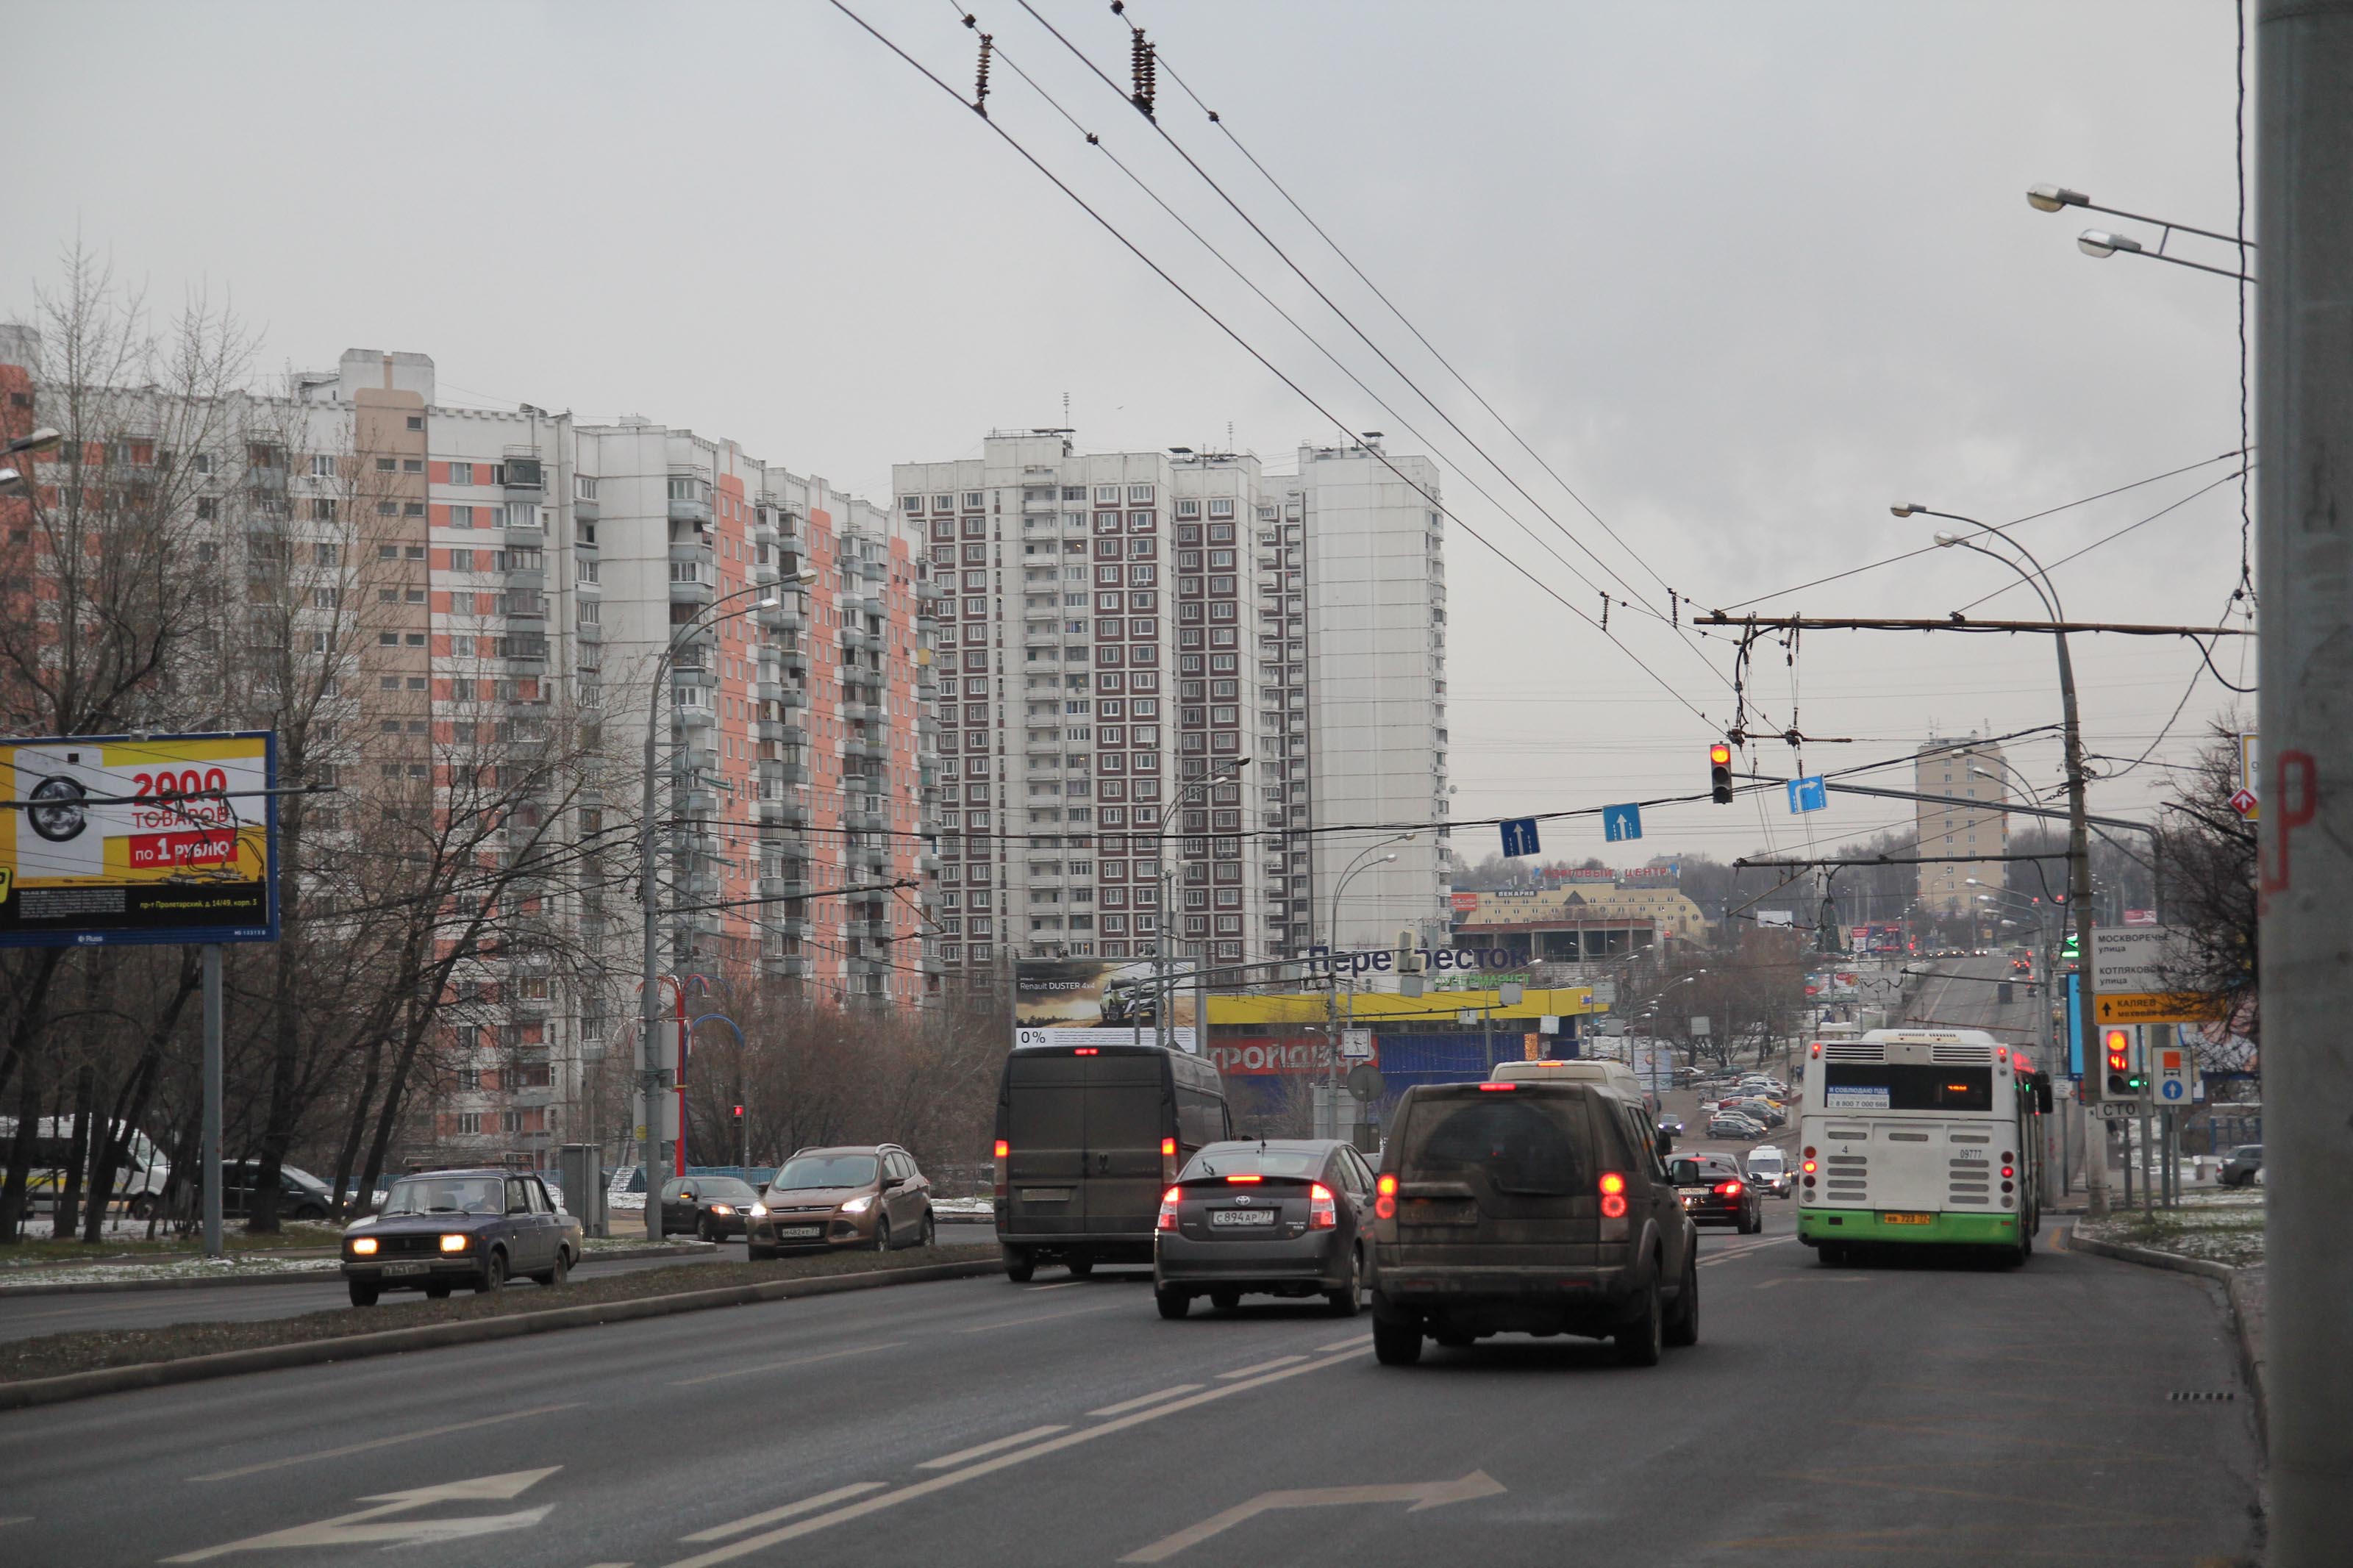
(157, 838)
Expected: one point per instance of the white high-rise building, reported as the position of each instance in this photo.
(1117, 632)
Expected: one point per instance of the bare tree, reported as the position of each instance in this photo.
(2206, 853)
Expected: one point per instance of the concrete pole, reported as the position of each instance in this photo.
(2304, 168)
(209, 1169)
(649, 1051)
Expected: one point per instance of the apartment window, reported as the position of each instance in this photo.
(387, 508)
(461, 473)
(385, 465)
(584, 487)
(522, 514)
(321, 466)
(412, 465)
(461, 517)
(1139, 523)
(972, 500)
(208, 509)
(586, 570)
(1221, 509)
(387, 552)
(911, 503)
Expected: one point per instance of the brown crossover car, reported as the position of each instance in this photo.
(866, 1195)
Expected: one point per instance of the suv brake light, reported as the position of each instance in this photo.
(1168, 1159)
(1385, 1198)
(1613, 1195)
(1168, 1220)
(1499, 1087)
(1003, 1156)
(1322, 1213)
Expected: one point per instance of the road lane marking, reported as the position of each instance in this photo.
(923, 1489)
(1814, 1278)
(1359, 1342)
(1062, 1285)
(982, 1450)
(384, 1442)
(1040, 1318)
(1259, 1367)
(791, 1510)
(368, 1527)
(1141, 1400)
(1420, 1494)
(781, 1366)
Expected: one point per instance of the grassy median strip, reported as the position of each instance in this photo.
(53, 1355)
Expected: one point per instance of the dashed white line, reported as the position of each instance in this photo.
(1141, 1400)
(1359, 1342)
(1261, 1366)
(1040, 1318)
(790, 1510)
(982, 1450)
(781, 1366)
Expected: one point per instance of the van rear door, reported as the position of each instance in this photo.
(1129, 1109)
(1046, 1138)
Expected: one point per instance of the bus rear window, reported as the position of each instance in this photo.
(1905, 1086)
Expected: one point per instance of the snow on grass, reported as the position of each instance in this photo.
(2224, 1227)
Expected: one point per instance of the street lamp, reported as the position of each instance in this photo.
(1225, 771)
(2102, 243)
(649, 890)
(40, 440)
(2079, 850)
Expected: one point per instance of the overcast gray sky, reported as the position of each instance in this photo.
(1743, 273)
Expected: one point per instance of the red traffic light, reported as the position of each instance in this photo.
(2120, 1050)
(1719, 755)
(739, 1112)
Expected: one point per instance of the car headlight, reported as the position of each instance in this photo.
(456, 1242)
(757, 1211)
(859, 1206)
(363, 1246)
(723, 1208)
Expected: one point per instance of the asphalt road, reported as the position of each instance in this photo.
(25, 1317)
(1938, 1412)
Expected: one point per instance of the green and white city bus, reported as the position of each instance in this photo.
(1920, 1137)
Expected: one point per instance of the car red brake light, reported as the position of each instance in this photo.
(1729, 1189)
(1246, 1178)
(1167, 1147)
(1003, 1148)
(1086, 1051)
(1322, 1213)
(1613, 1195)
(1499, 1087)
(1168, 1220)
(1003, 1185)
(1385, 1197)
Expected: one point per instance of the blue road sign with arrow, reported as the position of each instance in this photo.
(1807, 794)
(1519, 836)
(1621, 821)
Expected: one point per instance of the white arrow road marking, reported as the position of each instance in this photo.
(1420, 1494)
(355, 1528)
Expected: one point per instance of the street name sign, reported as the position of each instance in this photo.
(2152, 1007)
(1620, 822)
(1519, 836)
(2129, 968)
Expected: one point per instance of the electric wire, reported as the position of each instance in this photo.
(1272, 369)
(2106, 539)
(1317, 290)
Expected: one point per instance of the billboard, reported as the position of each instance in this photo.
(160, 838)
(1104, 999)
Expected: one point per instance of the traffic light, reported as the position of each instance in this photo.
(739, 1113)
(1719, 774)
(2126, 1078)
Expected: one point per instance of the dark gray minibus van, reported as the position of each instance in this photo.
(1088, 1137)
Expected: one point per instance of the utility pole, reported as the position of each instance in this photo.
(2303, 317)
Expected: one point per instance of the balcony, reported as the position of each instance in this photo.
(691, 716)
(694, 510)
(522, 476)
(789, 814)
(585, 511)
(878, 750)
(789, 966)
(693, 592)
(786, 887)
(865, 821)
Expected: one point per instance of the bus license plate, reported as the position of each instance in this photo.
(1045, 1195)
(1241, 1216)
(393, 1269)
(799, 1232)
(1907, 1219)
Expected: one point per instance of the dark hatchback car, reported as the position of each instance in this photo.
(447, 1229)
(2241, 1167)
(1715, 1190)
(868, 1196)
(1272, 1218)
(1529, 1207)
(712, 1208)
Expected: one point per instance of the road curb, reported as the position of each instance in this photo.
(310, 1276)
(433, 1336)
(2242, 1288)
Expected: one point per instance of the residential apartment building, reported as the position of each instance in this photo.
(1129, 647)
(471, 586)
(1965, 831)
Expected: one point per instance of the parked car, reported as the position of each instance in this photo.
(445, 1229)
(1715, 1190)
(1761, 1110)
(1768, 1168)
(2245, 1164)
(1532, 1207)
(712, 1208)
(860, 1195)
(1278, 1218)
(300, 1195)
(1733, 1124)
